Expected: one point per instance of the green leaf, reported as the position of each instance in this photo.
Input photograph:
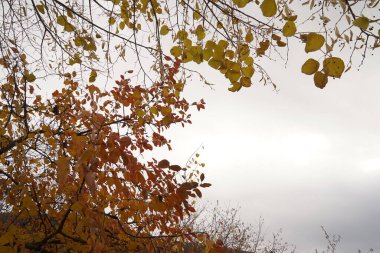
(361, 22)
(333, 66)
(268, 8)
(310, 67)
(314, 42)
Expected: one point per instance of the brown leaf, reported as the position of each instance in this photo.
(163, 164)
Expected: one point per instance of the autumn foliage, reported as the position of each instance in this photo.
(73, 172)
(72, 177)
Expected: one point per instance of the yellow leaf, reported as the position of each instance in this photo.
(245, 81)
(236, 86)
(154, 110)
(289, 29)
(93, 76)
(41, 8)
(320, 79)
(30, 77)
(361, 22)
(164, 30)
(207, 53)
(291, 18)
(176, 51)
(122, 25)
(187, 56)
(200, 32)
(240, 3)
(196, 12)
(61, 20)
(232, 75)
(314, 42)
(249, 36)
(269, 8)
(69, 27)
(63, 169)
(310, 67)
(214, 63)
(166, 111)
(182, 34)
(333, 66)
(243, 52)
(111, 20)
(140, 112)
(248, 71)
(249, 61)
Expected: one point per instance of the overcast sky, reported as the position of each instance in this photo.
(300, 158)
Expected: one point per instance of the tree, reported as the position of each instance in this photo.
(71, 175)
(223, 225)
(231, 36)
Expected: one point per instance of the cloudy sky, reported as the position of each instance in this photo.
(301, 157)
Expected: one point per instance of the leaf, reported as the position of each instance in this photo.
(163, 164)
(249, 36)
(93, 76)
(289, 29)
(61, 20)
(320, 79)
(164, 30)
(214, 63)
(175, 168)
(90, 181)
(241, 3)
(111, 20)
(245, 81)
(314, 42)
(248, 71)
(281, 43)
(205, 185)
(41, 8)
(176, 51)
(30, 77)
(333, 66)
(361, 22)
(310, 67)
(63, 169)
(166, 110)
(196, 12)
(199, 31)
(268, 8)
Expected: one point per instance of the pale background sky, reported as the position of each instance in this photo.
(300, 158)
